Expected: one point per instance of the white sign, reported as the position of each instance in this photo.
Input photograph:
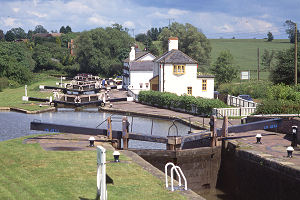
(245, 75)
(101, 173)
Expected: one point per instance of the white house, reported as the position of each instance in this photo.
(176, 72)
(138, 70)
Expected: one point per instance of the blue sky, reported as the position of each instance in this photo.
(216, 18)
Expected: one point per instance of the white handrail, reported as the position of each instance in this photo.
(166, 174)
(172, 180)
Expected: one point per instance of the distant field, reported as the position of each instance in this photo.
(244, 51)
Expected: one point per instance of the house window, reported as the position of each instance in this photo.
(178, 69)
(147, 85)
(141, 85)
(189, 91)
(204, 85)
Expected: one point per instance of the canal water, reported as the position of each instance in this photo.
(14, 125)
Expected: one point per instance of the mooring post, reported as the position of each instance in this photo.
(125, 126)
(213, 129)
(174, 142)
(109, 129)
(25, 90)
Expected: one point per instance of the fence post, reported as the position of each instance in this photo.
(125, 132)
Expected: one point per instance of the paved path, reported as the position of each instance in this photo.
(145, 110)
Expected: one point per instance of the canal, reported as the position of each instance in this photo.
(14, 125)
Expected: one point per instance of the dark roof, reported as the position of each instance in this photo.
(141, 66)
(138, 54)
(205, 76)
(175, 57)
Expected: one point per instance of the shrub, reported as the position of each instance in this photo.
(278, 107)
(169, 100)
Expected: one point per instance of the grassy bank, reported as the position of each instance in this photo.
(29, 172)
(13, 97)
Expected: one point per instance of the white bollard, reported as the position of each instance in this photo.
(101, 173)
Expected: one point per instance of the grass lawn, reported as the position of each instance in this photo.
(29, 172)
(13, 97)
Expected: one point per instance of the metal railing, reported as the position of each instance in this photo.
(180, 175)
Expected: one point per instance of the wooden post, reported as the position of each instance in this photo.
(213, 129)
(125, 133)
(225, 127)
(109, 129)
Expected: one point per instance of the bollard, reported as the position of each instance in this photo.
(258, 138)
(225, 127)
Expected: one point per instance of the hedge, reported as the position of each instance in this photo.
(171, 100)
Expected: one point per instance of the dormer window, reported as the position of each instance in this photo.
(178, 69)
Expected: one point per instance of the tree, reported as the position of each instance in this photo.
(290, 30)
(19, 33)
(284, 70)
(100, 51)
(39, 29)
(224, 69)
(191, 41)
(68, 29)
(16, 62)
(62, 29)
(142, 37)
(10, 36)
(29, 34)
(267, 59)
(2, 36)
(270, 36)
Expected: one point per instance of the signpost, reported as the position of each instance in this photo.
(245, 75)
(101, 174)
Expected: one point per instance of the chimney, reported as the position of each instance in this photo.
(173, 43)
(132, 54)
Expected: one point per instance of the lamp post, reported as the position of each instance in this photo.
(294, 134)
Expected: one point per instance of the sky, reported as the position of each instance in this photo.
(215, 18)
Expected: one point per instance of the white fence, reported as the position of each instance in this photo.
(233, 112)
(239, 102)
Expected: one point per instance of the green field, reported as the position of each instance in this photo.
(244, 51)
(30, 172)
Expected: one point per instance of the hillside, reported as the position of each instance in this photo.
(244, 51)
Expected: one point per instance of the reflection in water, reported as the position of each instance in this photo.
(14, 125)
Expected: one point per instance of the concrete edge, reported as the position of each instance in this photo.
(30, 112)
(189, 194)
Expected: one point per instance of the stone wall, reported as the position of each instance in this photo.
(199, 165)
(248, 176)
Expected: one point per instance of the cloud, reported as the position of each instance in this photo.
(99, 20)
(129, 24)
(16, 9)
(10, 22)
(40, 15)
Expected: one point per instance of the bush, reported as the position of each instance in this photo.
(169, 100)
(278, 107)
(256, 89)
